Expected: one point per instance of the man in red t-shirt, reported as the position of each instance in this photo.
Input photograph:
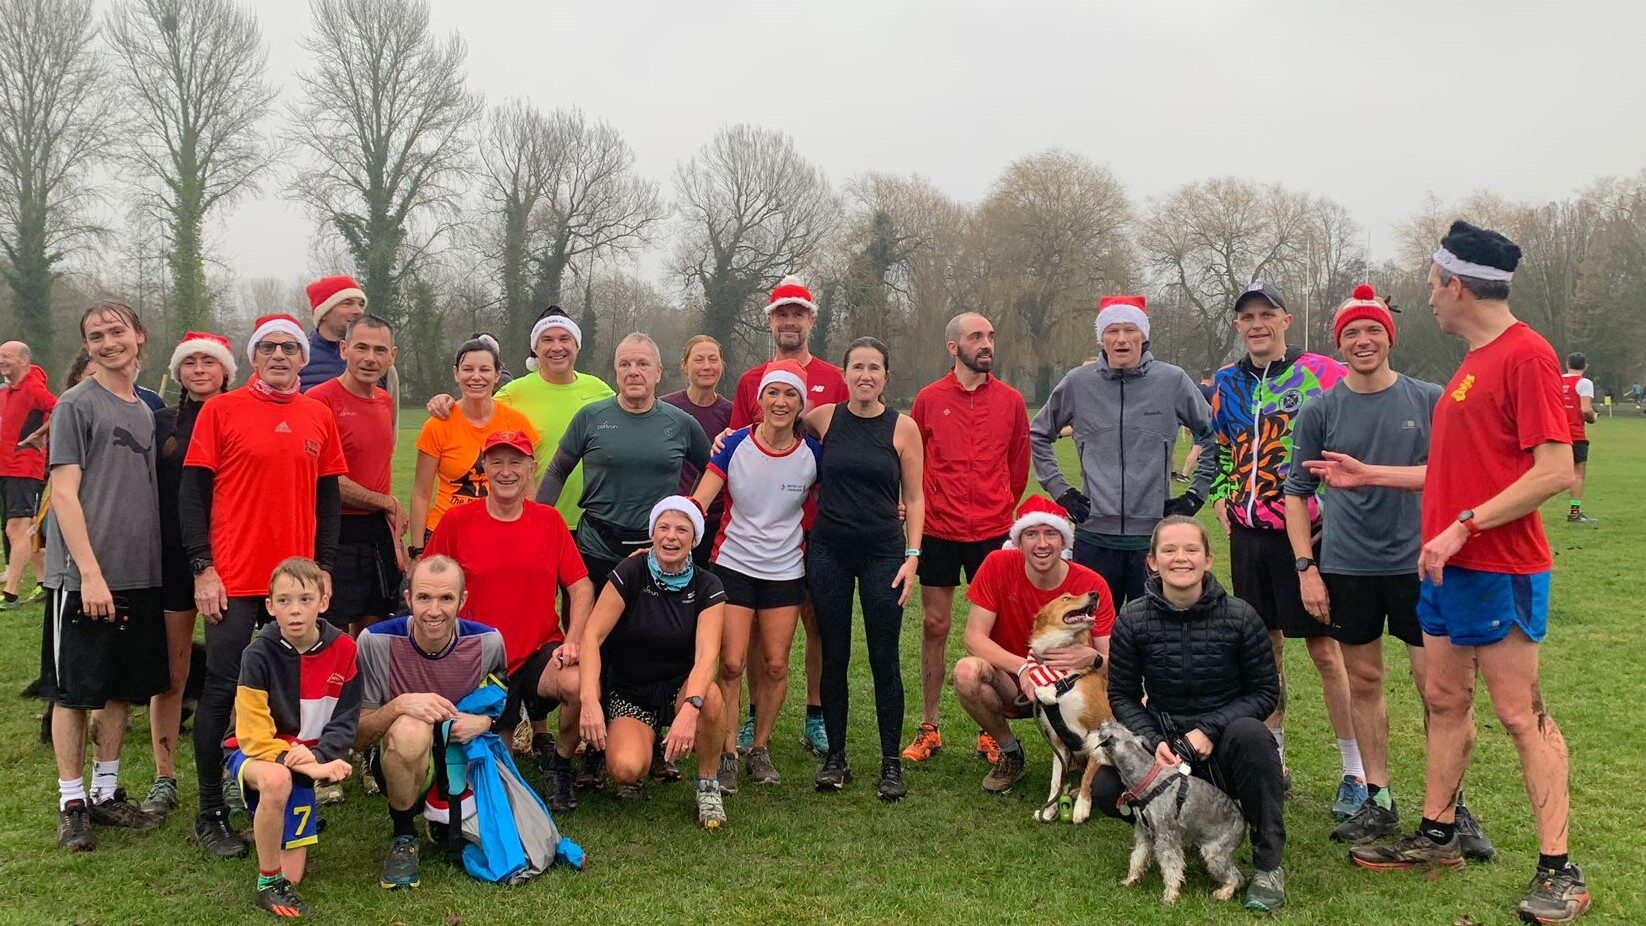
(370, 559)
(975, 429)
(790, 316)
(1009, 589)
(259, 485)
(516, 556)
(1577, 395)
(25, 415)
(1500, 447)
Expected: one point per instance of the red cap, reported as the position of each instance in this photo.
(516, 439)
(1364, 304)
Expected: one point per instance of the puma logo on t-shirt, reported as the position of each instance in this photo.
(124, 438)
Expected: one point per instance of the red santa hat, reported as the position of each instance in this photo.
(326, 292)
(791, 292)
(1362, 305)
(1040, 511)
(277, 324)
(212, 345)
(1114, 310)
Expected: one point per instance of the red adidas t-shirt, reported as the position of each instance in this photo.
(366, 427)
(825, 385)
(266, 457)
(513, 570)
(1002, 586)
(1503, 401)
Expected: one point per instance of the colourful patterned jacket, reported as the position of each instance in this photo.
(1253, 410)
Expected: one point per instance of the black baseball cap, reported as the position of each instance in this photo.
(1260, 290)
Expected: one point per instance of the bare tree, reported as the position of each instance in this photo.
(53, 119)
(192, 76)
(387, 121)
(1053, 224)
(517, 173)
(1205, 243)
(753, 211)
(1332, 261)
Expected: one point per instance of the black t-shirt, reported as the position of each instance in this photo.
(654, 644)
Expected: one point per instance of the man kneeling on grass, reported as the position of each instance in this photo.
(414, 671)
(295, 711)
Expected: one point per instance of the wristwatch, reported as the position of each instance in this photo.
(1467, 519)
(199, 564)
(1305, 563)
(911, 551)
(695, 701)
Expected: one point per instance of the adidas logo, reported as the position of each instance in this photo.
(282, 428)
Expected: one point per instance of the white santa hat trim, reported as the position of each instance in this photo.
(207, 346)
(550, 322)
(277, 324)
(1116, 313)
(791, 291)
(1457, 266)
(1042, 519)
(683, 505)
(331, 302)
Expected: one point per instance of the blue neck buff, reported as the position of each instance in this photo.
(672, 582)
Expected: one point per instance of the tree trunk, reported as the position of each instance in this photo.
(30, 277)
(518, 315)
(722, 303)
(187, 264)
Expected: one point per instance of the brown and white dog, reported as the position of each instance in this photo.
(1069, 708)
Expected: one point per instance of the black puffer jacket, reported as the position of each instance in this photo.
(1200, 668)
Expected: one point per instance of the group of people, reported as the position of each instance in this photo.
(628, 559)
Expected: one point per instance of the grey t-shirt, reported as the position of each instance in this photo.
(1367, 532)
(112, 441)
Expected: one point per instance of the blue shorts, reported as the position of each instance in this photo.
(1476, 608)
(302, 823)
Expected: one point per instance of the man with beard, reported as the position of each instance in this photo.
(976, 434)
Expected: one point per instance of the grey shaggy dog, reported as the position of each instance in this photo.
(1176, 811)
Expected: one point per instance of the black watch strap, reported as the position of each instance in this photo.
(695, 701)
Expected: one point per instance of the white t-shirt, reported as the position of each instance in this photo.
(768, 496)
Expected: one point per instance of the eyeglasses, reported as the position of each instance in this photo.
(289, 348)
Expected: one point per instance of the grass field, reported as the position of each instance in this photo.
(949, 853)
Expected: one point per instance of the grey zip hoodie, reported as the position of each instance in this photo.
(1125, 426)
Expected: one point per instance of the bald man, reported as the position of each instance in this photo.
(25, 412)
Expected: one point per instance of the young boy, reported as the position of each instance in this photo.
(296, 709)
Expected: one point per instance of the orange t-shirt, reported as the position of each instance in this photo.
(455, 445)
(266, 458)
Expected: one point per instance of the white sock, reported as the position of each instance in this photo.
(70, 789)
(1349, 750)
(1280, 743)
(105, 777)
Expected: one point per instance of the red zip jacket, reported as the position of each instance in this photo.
(977, 457)
(24, 406)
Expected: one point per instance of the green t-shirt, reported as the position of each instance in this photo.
(550, 407)
(629, 462)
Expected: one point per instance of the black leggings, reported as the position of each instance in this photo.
(225, 641)
(831, 572)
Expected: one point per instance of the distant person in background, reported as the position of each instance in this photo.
(1577, 396)
(334, 303)
(25, 414)
(703, 367)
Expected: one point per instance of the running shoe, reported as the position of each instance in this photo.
(1267, 892)
(1578, 517)
(1476, 847)
(362, 772)
(520, 738)
(119, 811)
(632, 792)
(726, 773)
(560, 791)
(987, 748)
(162, 797)
(835, 773)
(592, 775)
(1006, 772)
(711, 810)
(400, 865)
(1351, 793)
(892, 787)
(232, 798)
(1370, 821)
(745, 735)
(1411, 851)
(542, 744)
(1555, 896)
(927, 743)
(761, 769)
(663, 769)
(1182, 477)
(213, 834)
(815, 740)
(38, 595)
(330, 792)
(281, 899)
(10, 604)
(74, 831)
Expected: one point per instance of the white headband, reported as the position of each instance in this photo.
(778, 375)
(544, 324)
(1457, 266)
(683, 505)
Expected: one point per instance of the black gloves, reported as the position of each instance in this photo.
(1077, 505)
(1186, 504)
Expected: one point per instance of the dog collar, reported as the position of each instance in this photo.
(1140, 794)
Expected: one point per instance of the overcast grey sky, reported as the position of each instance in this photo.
(1372, 104)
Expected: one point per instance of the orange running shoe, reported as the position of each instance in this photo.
(987, 748)
(927, 743)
